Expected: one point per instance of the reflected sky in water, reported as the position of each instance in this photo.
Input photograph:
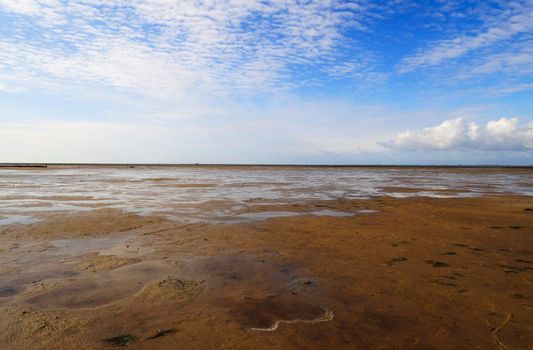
(197, 193)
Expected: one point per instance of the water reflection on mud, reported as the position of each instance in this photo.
(202, 194)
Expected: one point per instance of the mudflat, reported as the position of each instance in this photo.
(419, 272)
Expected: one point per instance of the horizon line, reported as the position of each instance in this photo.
(45, 165)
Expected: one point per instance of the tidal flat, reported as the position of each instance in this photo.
(266, 258)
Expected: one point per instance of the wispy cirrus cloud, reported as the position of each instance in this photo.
(363, 70)
(516, 60)
(515, 22)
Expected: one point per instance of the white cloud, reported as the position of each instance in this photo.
(517, 61)
(457, 134)
(27, 7)
(9, 88)
(171, 48)
(501, 29)
(361, 70)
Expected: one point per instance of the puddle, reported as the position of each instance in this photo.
(125, 245)
(82, 245)
(16, 284)
(267, 313)
(103, 288)
(329, 212)
(367, 211)
(260, 293)
(268, 214)
(18, 219)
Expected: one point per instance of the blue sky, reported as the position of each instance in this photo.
(245, 81)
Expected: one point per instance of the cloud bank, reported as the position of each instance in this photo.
(504, 134)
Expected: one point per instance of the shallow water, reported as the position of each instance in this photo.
(17, 219)
(199, 194)
(102, 289)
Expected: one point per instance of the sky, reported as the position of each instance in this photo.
(257, 81)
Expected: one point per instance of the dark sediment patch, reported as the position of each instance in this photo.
(524, 261)
(162, 332)
(8, 291)
(302, 286)
(445, 283)
(401, 242)
(121, 340)
(476, 249)
(395, 260)
(515, 269)
(436, 263)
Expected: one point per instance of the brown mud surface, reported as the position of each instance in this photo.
(420, 273)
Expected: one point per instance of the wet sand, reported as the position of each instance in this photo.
(411, 273)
